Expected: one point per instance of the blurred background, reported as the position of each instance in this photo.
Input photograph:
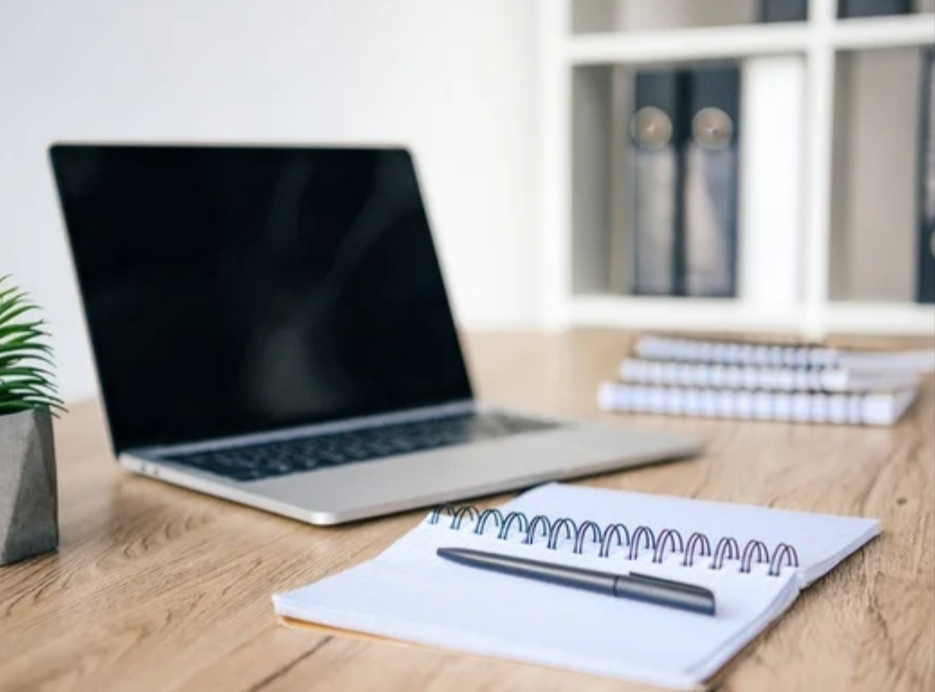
(749, 165)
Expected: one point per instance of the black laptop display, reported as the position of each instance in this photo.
(231, 290)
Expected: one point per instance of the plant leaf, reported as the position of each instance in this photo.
(25, 327)
(10, 311)
(25, 382)
(22, 360)
(28, 393)
(18, 406)
(28, 370)
(24, 343)
(15, 292)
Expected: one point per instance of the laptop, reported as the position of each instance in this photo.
(270, 325)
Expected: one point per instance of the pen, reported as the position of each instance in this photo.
(637, 587)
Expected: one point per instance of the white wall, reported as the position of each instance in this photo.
(454, 79)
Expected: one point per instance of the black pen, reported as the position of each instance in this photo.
(637, 587)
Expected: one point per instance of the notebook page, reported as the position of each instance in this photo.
(409, 593)
(821, 540)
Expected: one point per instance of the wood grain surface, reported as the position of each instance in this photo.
(158, 588)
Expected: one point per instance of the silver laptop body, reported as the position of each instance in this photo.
(270, 326)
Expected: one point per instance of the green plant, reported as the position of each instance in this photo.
(25, 382)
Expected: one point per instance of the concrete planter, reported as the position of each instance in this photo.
(28, 486)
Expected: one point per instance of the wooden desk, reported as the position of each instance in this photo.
(157, 588)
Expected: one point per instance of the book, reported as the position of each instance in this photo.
(783, 10)
(756, 560)
(682, 191)
(655, 182)
(872, 8)
(869, 408)
(925, 273)
(710, 160)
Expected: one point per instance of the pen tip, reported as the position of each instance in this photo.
(460, 555)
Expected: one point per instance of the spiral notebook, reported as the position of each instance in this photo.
(868, 408)
(777, 379)
(729, 352)
(754, 559)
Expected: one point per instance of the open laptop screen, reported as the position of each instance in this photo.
(231, 290)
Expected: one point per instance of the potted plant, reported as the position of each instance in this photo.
(28, 401)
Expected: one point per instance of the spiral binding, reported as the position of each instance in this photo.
(808, 378)
(781, 405)
(660, 545)
(731, 352)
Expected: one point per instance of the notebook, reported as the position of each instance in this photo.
(791, 379)
(728, 352)
(869, 408)
(766, 381)
(755, 560)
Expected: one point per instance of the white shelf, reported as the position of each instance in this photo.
(650, 312)
(665, 313)
(884, 32)
(575, 74)
(686, 44)
(881, 318)
(747, 40)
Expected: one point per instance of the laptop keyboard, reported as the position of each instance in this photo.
(280, 458)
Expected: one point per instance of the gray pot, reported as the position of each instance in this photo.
(28, 491)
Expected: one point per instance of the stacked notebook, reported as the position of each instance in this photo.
(735, 379)
(755, 560)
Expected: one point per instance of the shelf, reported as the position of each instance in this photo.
(746, 40)
(600, 16)
(687, 44)
(881, 318)
(791, 209)
(884, 32)
(728, 315)
(677, 313)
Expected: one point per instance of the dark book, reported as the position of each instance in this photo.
(711, 160)
(783, 11)
(655, 175)
(872, 8)
(925, 291)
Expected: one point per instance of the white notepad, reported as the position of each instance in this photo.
(409, 593)
(729, 352)
(870, 408)
(672, 373)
